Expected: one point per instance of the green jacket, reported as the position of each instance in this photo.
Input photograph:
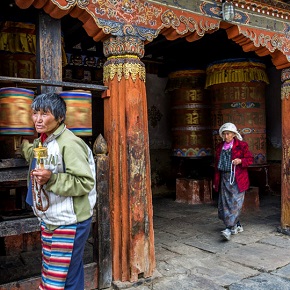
(72, 186)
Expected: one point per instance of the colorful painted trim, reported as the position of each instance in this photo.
(235, 71)
(192, 152)
(16, 131)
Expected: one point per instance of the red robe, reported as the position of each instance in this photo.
(240, 150)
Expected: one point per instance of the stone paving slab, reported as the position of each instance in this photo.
(262, 282)
(278, 240)
(283, 272)
(259, 256)
(183, 282)
(205, 265)
(177, 247)
(165, 237)
(163, 254)
(180, 282)
(180, 229)
(212, 243)
(251, 235)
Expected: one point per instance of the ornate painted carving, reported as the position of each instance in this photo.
(263, 31)
(142, 19)
(263, 22)
(137, 13)
(123, 45)
(266, 7)
(183, 24)
(127, 17)
(285, 88)
(285, 75)
(272, 40)
(71, 3)
(214, 10)
(123, 58)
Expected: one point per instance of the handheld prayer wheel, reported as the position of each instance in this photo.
(40, 196)
(190, 111)
(40, 153)
(79, 111)
(237, 90)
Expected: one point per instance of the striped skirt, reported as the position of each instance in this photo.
(57, 247)
(230, 201)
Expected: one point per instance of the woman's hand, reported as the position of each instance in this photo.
(237, 161)
(41, 175)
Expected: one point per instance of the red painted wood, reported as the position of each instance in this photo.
(285, 180)
(126, 131)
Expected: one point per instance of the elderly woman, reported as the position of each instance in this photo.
(61, 192)
(231, 177)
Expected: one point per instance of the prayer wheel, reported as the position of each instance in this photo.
(237, 90)
(79, 111)
(19, 65)
(190, 111)
(15, 111)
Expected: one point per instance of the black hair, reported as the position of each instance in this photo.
(50, 102)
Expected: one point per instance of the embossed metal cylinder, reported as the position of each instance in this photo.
(15, 111)
(190, 110)
(237, 90)
(40, 154)
(79, 111)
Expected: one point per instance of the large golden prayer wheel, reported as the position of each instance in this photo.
(79, 111)
(190, 111)
(237, 90)
(15, 111)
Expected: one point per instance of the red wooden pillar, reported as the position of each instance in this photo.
(126, 131)
(285, 174)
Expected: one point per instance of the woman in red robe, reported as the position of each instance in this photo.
(231, 177)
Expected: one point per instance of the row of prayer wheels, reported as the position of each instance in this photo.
(15, 111)
(228, 91)
(202, 100)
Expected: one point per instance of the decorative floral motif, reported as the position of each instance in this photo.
(285, 90)
(245, 105)
(183, 24)
(70, 3)
(124, 67)
(285, 75)
(270, 42)
(121, 29)
(128, 11)
(124, 45)
(123, 58)
(154, 116)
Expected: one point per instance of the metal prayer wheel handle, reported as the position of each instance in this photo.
(38, 192)
(40, 153)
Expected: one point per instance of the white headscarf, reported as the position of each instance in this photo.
(230, 127)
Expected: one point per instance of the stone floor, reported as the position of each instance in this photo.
(190, 253)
